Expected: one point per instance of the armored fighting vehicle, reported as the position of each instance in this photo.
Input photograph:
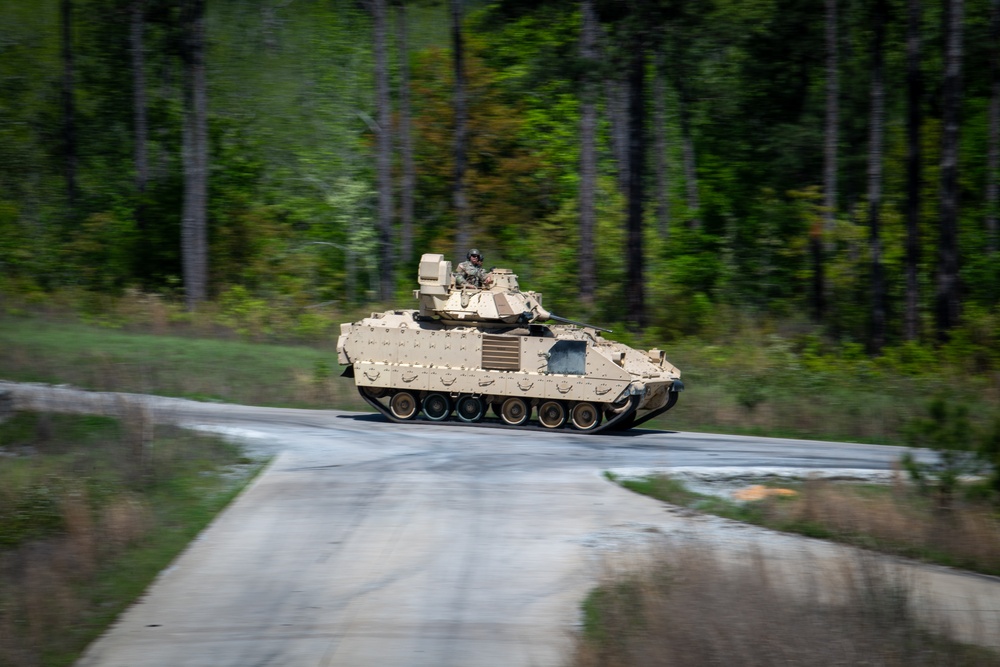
(467, 351)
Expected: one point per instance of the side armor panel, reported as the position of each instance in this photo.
(568, 357)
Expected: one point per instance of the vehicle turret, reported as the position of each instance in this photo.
(501, 301)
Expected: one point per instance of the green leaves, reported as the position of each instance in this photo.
(962, 449)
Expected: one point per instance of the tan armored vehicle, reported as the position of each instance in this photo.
(467, 351)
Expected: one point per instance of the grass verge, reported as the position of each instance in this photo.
(776, 386)
(36, 350)
(894, 519)
(91, 510)
(693, 607)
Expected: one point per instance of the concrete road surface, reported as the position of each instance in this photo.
(369, 543)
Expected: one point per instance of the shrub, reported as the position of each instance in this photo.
(962, 450)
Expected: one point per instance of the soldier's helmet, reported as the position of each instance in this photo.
(474, 252)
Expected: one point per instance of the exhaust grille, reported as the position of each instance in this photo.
(501, 353)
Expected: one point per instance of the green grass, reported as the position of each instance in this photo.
(764, 385)
(35, 350)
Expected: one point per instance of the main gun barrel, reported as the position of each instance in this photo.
(579, 324)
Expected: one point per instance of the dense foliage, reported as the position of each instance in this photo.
(292, 184)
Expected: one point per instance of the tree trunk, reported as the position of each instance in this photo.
(635, 294)
(409, 176)
(832, 122)
(588, 153)
(914, 118)
(948, 299)
(821, 290)
(461, 203)
(878, 324)
(194, 232)
(660, 142)
(351, 275)
(69, 149)
(690, 164)
(818, 286)
(140, 125)
(383, 113)
(993, 152)
(616, 108)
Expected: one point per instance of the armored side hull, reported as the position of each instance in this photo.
(409, 366)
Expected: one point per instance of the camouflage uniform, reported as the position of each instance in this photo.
(468, 274)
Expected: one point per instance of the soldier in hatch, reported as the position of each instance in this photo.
(471, 272)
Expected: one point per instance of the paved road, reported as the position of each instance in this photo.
(369, 543)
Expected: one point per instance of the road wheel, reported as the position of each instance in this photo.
(551, 414)
(404, 405)
(437, 406)
(470, 408)
(515, 411)
(616, 408)
(585, 416)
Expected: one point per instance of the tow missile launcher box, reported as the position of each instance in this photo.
(466, 352)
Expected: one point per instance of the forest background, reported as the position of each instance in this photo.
(797, 200)
(824, 171)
